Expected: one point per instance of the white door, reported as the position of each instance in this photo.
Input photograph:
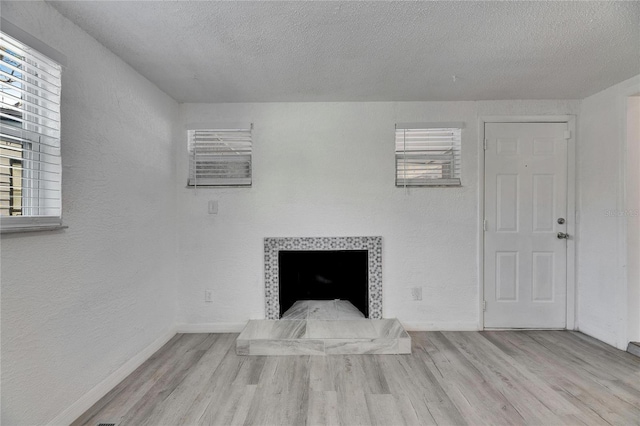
(525, 254)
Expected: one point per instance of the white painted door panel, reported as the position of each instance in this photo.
(525, 263)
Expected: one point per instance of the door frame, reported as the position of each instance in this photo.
(571, 205)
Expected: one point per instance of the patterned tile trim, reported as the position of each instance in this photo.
(273, 245)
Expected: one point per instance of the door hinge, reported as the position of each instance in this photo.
(484, 306)
(567, 134)
(484, 225)
(486, 142)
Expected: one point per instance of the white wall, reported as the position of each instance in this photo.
(327, 169)
(602, 250)
(104, 289)
(78, 304)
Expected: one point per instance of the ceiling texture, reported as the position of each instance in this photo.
(243, 51)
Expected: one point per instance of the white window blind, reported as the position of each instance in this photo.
(30, 163)
(428, 156)
(220, 157)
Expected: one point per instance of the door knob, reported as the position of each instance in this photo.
(562, 235)
(561, 220)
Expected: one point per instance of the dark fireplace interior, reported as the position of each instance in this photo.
(324, 275)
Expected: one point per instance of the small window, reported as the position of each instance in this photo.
(427, 155)
(30, 164)
(220, 157)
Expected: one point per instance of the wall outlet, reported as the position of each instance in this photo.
(208, 296)
(213, 207)
(416, 293)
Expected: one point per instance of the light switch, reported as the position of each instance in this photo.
(213, 207)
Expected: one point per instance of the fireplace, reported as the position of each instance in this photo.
(323, 275)
(323, 268)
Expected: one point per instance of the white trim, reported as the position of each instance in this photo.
(622, 281)
(481, 225)
(33, 42)
(524, 329)
(237, 327)
(572, 228)
(213, 327)
(599, 334)
(440, 326)
(571, 206)
(75, 410)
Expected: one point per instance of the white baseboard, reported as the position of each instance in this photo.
(237, 327)
(78, 408)
(601, 335)
(213, 327)
(440, 326)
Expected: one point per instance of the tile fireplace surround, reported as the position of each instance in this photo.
(272, 246)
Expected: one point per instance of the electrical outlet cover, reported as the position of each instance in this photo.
(416, 293)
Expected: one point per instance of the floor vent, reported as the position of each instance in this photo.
(107, 424)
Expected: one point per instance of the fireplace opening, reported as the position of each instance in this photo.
(323, 275)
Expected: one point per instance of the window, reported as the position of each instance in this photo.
(30, 164)
(428, 154)
(220, 157)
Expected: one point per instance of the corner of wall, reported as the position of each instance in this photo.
(602, 244)
(75, 410)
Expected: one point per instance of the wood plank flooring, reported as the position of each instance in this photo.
(451, 378)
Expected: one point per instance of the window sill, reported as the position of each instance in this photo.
(23, 229)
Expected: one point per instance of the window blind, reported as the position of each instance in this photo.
(428, 156)
(30, 163)
(220, 157)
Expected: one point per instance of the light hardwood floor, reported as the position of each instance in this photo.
(497, 377)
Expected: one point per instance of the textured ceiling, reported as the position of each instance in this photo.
(369, 51)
